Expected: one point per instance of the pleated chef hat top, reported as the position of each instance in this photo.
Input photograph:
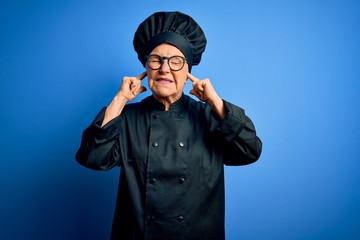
(175, 28)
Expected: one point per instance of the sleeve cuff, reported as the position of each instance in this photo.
(232, 124)
(108, 132)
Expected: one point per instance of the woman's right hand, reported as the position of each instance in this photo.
(131, 87)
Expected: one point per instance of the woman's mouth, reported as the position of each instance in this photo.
(164, 80)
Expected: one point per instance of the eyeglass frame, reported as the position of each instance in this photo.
(163, 60)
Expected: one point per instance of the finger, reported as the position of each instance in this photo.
(193, 92)
(142, 76)
(142, 89)
(199, 86)
(136, 91)
(192, 78)
(199, 95)
(139, 90)
(133, 83)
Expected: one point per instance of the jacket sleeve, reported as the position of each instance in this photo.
(99, 148)
(241, 144)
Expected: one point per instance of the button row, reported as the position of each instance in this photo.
(152, 218)
(181, 180)
(179, 115)
(156, 144)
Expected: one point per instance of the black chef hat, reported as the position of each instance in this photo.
(174, 28)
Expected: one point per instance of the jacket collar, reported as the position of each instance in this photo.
(151, 103)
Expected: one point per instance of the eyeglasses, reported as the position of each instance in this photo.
(176, 63)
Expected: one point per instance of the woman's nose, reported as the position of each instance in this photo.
(165, 66)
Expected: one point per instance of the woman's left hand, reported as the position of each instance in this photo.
(204, 91)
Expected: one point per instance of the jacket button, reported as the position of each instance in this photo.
(153, 180)
(181, 144)
(181, 219)
(181, 180)
(155, 144)
(156, 116)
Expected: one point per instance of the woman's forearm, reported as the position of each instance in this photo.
(114, 109)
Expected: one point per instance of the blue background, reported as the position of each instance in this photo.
(293, 65)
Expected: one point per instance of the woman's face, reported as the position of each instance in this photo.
(167, 85)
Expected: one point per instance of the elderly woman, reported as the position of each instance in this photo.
(171, 149)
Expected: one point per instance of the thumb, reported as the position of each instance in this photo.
(196, 94)
(140, 90)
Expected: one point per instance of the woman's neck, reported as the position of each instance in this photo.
(167, 101)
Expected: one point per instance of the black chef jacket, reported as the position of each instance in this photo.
(172, 176)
